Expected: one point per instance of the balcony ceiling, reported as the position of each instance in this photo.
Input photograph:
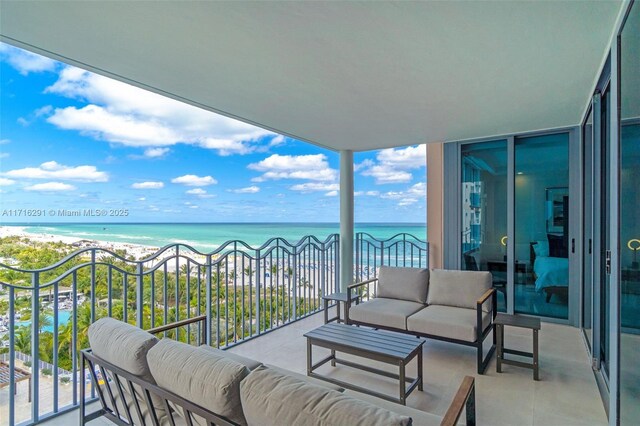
(344, 75)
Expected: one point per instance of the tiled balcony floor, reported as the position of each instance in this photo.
(566, 394)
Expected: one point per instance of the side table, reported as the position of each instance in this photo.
(516, 321)
(338, 298)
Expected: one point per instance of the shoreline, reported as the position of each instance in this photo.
(138, 251)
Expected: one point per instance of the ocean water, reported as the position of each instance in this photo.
(206, 237)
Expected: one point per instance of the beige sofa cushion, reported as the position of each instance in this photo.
(122, 345)
(200, 376)
(270, 398)
(307, 379)
(458, 288)
(448, 321)
(403, 283)
(126, 347)
(384, 312)
(419, 417)
(247, 362)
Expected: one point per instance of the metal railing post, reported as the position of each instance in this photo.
(208, 301)
(295, 282)
(139, 296)
(258, 286)
(35, 345)
(12, 357)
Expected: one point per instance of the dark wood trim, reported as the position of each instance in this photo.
(177, 324)
(485, 296)
(465, 398)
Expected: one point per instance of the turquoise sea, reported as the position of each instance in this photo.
(208, 236)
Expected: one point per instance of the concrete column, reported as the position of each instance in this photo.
(435, 203)
(346, 219)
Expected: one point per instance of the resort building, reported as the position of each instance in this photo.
(530, 112)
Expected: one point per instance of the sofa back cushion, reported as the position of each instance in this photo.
(403, 283)
(271, 398)
(123, 345)
(203, 377)
(460, 289)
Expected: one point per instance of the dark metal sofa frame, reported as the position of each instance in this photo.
(481, 334)
(464, 400)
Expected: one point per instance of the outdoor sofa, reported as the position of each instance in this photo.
(142, 380)
(454, 306)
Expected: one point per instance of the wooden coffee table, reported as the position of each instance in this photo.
(384, 346)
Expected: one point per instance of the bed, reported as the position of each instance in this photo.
(550, 268)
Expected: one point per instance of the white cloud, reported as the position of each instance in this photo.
(50, 187)
(309, 167)
(331, 194)
(120, 113)
(142, 199)
(193, 180)
(412, 195)
(4, 141)
(248, 190)
(54, 170)
(199, 192)
(6, 182)
(156, 152)
(148, 185)
(411, 157)
(315, 186)
(393, 164)
(385, 174)
(24, 61)
(4, 155)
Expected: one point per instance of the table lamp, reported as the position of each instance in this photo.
(634, 245)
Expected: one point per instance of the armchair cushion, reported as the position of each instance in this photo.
(403, 283)
(448, 321)
(271, 398)
(384, 312)
(460, 289)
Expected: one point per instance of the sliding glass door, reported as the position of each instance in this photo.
(541, 243)
(629, 293)
(484, 212)
(587, 228)
(514, 207)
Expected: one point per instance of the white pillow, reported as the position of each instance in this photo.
(541, 248)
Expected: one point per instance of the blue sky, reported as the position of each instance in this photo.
(70, 139)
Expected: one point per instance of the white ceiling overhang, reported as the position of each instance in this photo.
(344, 75)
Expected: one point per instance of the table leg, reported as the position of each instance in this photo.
(535, 356)
(499, 334)
(403, 387)
(309, 359)
(420, 382)
(326, 311)
(338, 311)
(333, 357)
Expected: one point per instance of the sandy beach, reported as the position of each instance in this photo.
(138, 251)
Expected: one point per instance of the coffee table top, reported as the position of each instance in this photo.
(388, 343)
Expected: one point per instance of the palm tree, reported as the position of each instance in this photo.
(22, 339)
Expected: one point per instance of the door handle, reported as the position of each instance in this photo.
(573, 245)
(607, 262)
(589, 245)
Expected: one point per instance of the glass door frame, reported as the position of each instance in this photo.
(452, 248)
